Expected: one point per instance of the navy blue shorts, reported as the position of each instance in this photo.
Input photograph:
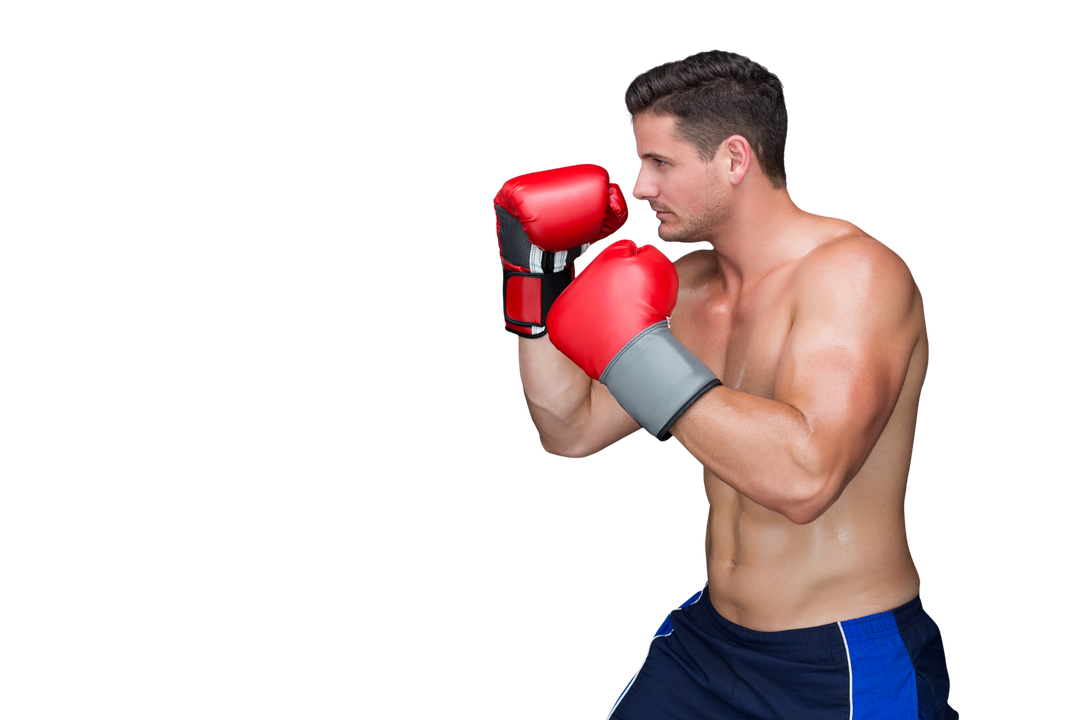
(888, 666)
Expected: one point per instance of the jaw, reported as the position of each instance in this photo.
(680, 232)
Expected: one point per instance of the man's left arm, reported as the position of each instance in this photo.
(856, 322)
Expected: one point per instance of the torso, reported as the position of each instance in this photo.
(766, 572)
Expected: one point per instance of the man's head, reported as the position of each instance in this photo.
(691, 196)
(714, 95)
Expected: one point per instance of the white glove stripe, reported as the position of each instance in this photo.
(536, 257)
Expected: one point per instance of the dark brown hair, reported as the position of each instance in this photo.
(714, 95)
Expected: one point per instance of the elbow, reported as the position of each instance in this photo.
(806, 506)
(572, 442)
(804, 512)
(551, 449)
(812, 490)
(560, 450)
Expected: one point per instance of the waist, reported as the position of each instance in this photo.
(768, 573)
(788, 594)
(833, 634)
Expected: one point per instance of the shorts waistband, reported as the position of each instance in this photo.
(885, 623)
(878, 625)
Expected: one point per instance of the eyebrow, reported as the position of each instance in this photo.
(653, 156)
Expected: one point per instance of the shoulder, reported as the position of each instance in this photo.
(855, 276)
(854, 262)
(696, 268)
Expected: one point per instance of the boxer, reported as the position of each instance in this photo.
(788, 359)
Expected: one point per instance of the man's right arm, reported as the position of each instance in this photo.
(574, 414)
(545, 220)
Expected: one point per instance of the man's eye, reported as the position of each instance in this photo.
(659, 162)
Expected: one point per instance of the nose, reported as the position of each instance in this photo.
(644, 187)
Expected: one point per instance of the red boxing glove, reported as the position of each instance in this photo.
(622, 292)
(545, 221)
(613, 323)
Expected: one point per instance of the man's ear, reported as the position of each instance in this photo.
(736, 154)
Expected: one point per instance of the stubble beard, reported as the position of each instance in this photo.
(702, 227)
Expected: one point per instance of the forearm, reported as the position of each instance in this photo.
(764, 449)
(556, 393)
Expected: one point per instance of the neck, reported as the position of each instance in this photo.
(759, 235)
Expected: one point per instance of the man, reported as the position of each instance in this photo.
(791, 369)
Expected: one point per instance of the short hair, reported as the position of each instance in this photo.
(714, 95)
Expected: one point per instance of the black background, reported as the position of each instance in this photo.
(570, 565)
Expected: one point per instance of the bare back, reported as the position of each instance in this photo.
(765, 571)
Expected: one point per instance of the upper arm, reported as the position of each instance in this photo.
(600, 422)
(574, 414)
(610, 422)
(856, 321)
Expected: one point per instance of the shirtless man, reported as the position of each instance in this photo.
(815, 334)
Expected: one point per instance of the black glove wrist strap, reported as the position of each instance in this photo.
(552, 285)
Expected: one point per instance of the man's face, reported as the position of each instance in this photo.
(685, 192)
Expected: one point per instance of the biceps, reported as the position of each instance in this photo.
(846, 391)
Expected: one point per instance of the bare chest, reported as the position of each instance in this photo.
(742, 338)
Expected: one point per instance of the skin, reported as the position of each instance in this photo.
(817, 332)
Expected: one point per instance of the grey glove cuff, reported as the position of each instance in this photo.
(655, 379)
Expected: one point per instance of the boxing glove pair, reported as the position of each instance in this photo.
(612, 321)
